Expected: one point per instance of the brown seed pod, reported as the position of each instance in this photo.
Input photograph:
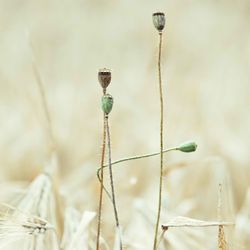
(159, 20)
(104, 77)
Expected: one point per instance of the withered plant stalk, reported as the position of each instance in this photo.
(187, 147)
(161, 142)
(112, 181)
(104, 77)
(52, 168)
(137, 157)
(222, 244)
(101, 184)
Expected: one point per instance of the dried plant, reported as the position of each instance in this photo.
(50, 195)
(186, 147)
(107, 104)
(17, 225)
(104, 77)
(222, 244)
(77, 234)
(189, 222)
(159, 23)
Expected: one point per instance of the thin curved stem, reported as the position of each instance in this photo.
(137, 157)
(101, 186)
(161, 143)
(112, 181)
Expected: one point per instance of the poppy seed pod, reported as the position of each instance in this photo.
(188, 147)
(104, 77)
(107, 103)
(159, 20)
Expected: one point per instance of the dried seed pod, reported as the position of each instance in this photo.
(159, 20)
(104, 77)
(107, 103)
(188, 147)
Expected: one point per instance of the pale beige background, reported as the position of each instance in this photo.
(206, 61)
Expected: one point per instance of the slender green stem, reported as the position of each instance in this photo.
(101, 186)
(112, 181)
(137, 157)
(141, 156)
(161, 143)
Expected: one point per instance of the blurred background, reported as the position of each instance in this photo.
(205, 67)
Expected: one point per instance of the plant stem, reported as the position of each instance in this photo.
(222, 244)
(161, 142)
(101, 186)
(137, 157)
(112, 181)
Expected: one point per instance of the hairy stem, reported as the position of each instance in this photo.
(101, 186)
(112, 181)
(161, 143)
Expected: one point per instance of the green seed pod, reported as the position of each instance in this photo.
(188, 147)
(159, 20)
(104, 77)
(107, 103)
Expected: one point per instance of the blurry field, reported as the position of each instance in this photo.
(206, 62)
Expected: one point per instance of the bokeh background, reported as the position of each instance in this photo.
(206, 61)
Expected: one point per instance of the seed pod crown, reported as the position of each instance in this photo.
(104, 77)
(159, 20)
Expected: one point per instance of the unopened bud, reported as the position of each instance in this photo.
(104, 77)
(107, 103)
(159, 20)
(188, 147)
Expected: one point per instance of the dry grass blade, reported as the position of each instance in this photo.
(242, 225)
(38, 202)
(32, 213)
(52, 168)
(189, 222)
(17, 225)
(42, 92)
(37, 197)
(222, 244)
(81, 237)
